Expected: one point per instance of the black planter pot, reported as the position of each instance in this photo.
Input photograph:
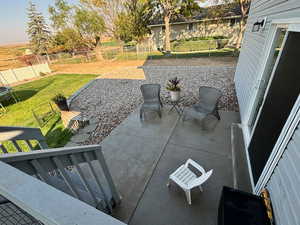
(63, 105)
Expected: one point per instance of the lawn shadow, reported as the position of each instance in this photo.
(19, 95)
(56, 135)
(22, 95)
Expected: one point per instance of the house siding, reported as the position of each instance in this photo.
(200, 29)
(284, 184)
(253, 47)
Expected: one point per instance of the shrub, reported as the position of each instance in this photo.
(173, 84)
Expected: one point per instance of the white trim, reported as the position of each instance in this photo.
(248, 159)
(269, 50)
(286, 21)
(274, 157)
(275, 25)
(294, 28)
(280, 146)
(270, 56)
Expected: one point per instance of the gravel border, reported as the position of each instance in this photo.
(107, 102)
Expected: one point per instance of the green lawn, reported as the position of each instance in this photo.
(196, 45)
(32, 97)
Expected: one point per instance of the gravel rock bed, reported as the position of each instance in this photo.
(107, 102)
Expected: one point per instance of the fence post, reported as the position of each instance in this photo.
(137, 51)
(15, 75)
(34, 71)
(209, 47)
(3, 78)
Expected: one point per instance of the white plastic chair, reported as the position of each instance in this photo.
(187, 179)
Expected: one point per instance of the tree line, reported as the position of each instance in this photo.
(81, 26)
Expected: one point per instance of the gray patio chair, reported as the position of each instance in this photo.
(152, 102)
(208, 104)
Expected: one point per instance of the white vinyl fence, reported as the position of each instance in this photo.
(23, 73)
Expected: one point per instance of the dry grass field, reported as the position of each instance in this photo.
(8, 55)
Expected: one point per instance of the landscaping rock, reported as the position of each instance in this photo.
(107, 102)
(88, 129)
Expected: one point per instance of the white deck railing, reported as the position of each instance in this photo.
(56, 186)
(47, 204)
(19, 135)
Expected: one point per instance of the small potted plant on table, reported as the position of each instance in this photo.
(174, 89)
(61, 102)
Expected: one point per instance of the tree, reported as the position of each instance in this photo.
(85, 24)
(91, 26)
(37, 30)
(68, 40)
(244, 6)
(168, 9)
(132, 23)
(60, 14)
(109, 9)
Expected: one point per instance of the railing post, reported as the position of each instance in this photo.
(46, 203)
(114, 192)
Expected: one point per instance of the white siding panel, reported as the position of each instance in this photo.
(253, 47)
(284, 184)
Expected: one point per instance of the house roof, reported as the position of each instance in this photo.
(216, 12)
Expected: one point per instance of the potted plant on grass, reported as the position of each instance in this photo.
(174, 89)
(61, 102)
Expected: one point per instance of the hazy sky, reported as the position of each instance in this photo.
(13, 18)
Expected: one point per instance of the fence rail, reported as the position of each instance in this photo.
(141, 51)
(11, 76)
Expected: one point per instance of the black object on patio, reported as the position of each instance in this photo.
(241, 208)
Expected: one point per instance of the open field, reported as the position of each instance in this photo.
(95, 67)
(8, 55)
(38, 92)
(105, 67)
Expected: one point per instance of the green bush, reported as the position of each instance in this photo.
(200, 38)
(198, 44)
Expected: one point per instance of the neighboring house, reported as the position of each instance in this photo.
(204, 24)
(268, 87)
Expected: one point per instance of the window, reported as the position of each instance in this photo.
(190, 26)
(232, 22)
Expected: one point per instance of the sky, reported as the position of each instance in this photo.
(13, 19)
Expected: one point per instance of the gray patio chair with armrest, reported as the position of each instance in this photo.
(152, 102)
(208, 104)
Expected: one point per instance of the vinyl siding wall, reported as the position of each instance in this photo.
(200, 29)
(253, 47)
(284, 184)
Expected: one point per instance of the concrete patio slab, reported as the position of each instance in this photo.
(171, 202)
(142, 154)
(132, 152)
(210, 148)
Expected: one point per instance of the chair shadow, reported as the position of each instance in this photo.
(58, 137)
